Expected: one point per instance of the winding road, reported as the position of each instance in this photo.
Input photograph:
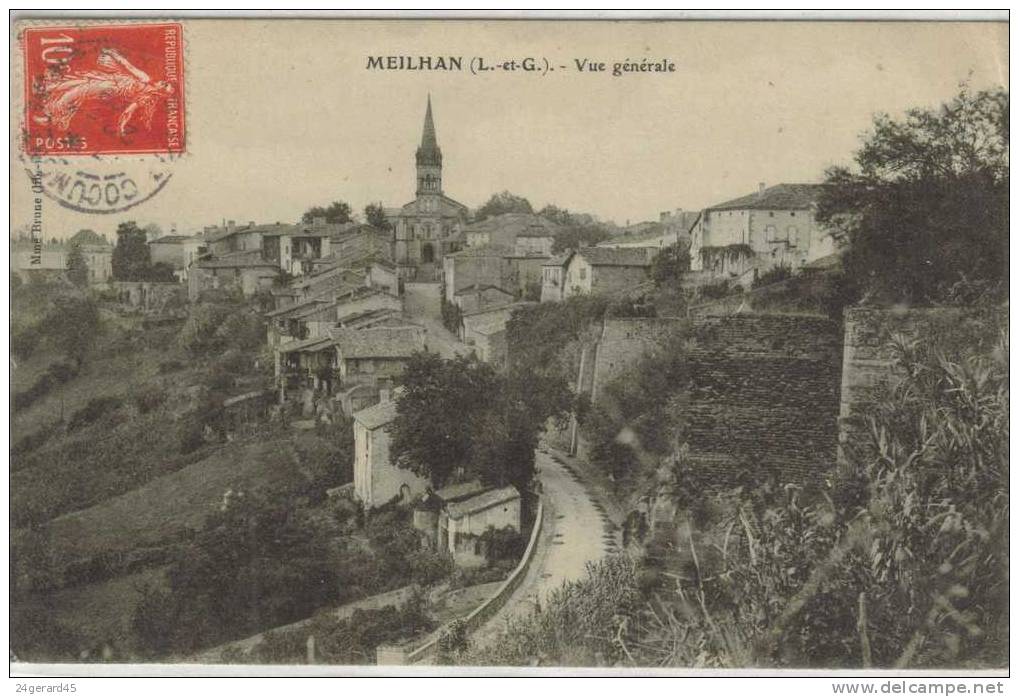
(575, 531)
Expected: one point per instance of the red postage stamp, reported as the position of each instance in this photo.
(104, 89)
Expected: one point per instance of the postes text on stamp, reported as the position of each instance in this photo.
(104, 89)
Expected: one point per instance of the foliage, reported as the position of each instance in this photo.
(575, 229)
(77, 269)
(582, 623)
(772, 275)
(257, 561)
(452, 316)
(56, 374)
(501, 203)
(536, 334)
(927, 204)
(461, 415)
(670, 263)
(215, 327)
(452, 642)
(94, 409)
(337, 212)
(131, 257)
(375, 215)
(715, 290)
(502, 544)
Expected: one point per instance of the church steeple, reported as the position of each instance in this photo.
(429, 157)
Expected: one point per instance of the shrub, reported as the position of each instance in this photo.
(716, 290)
(93, 410)
(24, 341)
(147, 399)
(504, 543)
(55, 374)
(772, 275)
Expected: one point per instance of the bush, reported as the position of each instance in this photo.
(501, 544)
(55, 374)
(24, 341)
(93, 410)
(147, 399)
(716, 290)
(772, 275)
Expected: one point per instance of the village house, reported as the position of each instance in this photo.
(178, 252)
(485, 330)
(553, 277)
(358, 244)
(377, 480)
(30, 259)
(478, 297)
(453, 518)
(462, 523)
(776, 226)
(527, 233)
(375, 356)
(492, 265)
(382, 273)
(245, 272)
(601, 270)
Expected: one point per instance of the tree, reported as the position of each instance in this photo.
(131, 260)
(336, 213)
(77, 269)
(504, 202)
(669, 264)
(375, 214)
(72, 326)
(926, 209)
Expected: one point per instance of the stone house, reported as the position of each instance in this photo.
(47, 259)
(553, 277)
(528, 234)
(599, 270)
(295, 248)
(776, 226)
(375, 356)
(479, 297)
(377, 480)
(462, 522)
(382, 274)
(178, 252)
(492, 265)
(245, 272)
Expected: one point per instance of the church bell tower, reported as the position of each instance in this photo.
(429, 158)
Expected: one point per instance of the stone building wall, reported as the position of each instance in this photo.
(623, 341)
(765, 394)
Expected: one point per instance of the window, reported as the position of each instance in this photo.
(583, 274)
(793, 234)
(770, 235)
(771, 214)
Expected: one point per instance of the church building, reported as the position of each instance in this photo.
(430, 226)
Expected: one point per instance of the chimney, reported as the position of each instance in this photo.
(230, 224)
(760, 188)
(384, 395)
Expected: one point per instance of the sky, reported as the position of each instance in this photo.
(284, 114)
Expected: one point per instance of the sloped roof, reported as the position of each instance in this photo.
(485, 250)
(608, 256)
(378, 342)
(460, 491)
(515, 225)
(478, 503)
(89, 237)
(249, 259)
(297, 307)
(377, 416)
(477, 287)
(778, 197)
(313, 344)
(173, 239)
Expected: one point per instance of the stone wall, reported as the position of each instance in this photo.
(623, 341)
(869, 366)
(765, 394)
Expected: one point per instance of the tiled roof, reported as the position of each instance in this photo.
(377, 314)
(485, 250)
(249, 259)
(316, 343)
(377, 416)
(607, 256)
(460, 491)
(379, 342)
(481, 502)
(476, 287)
(89, 237)
(173, 239)
(515, 225)
(778, 197)
(558, 259)
(297, 307)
